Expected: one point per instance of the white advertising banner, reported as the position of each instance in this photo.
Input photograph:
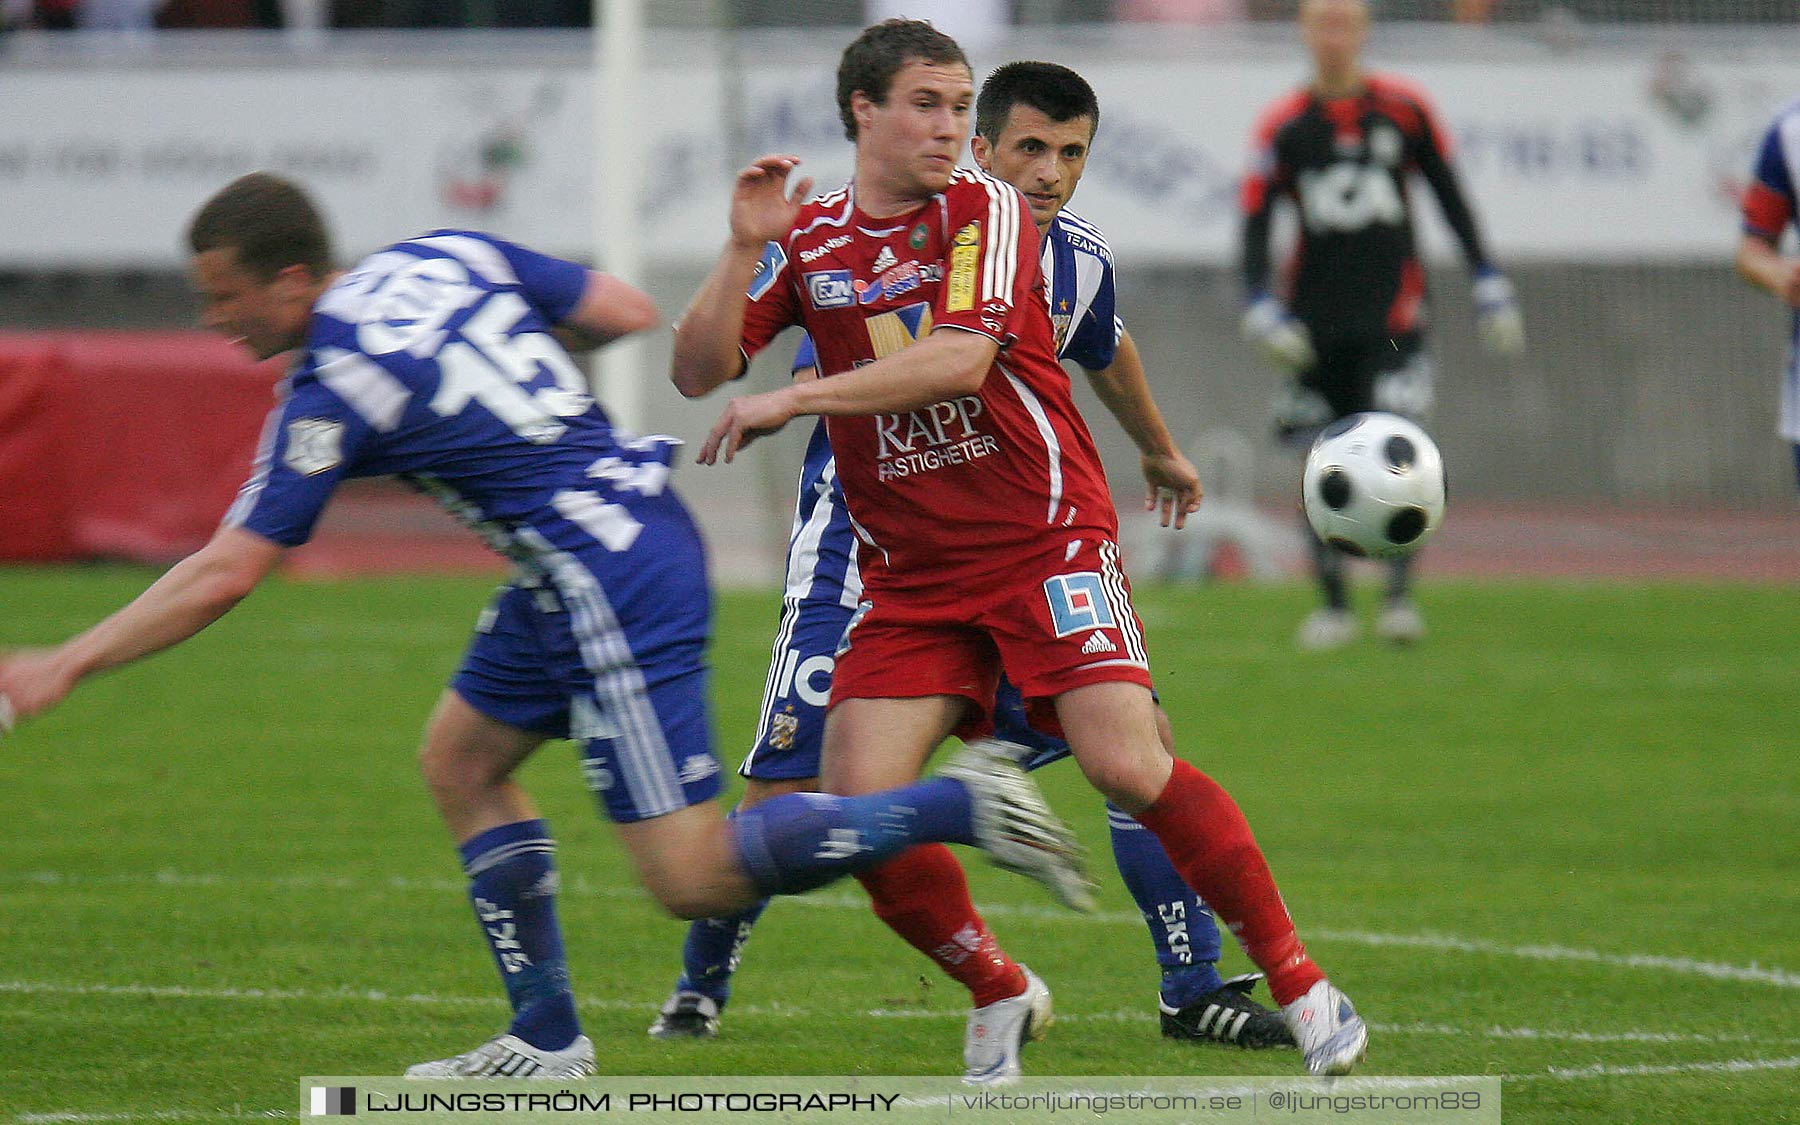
(1612, 160)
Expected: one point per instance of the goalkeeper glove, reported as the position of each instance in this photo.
(1497, 319)
(1282, 339)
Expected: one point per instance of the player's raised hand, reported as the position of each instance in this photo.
(1172, 484)
(32, 681)
(1283, 340)
(1497, 317)
(746, 418)
(762, 209)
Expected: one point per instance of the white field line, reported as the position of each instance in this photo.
(794, 1011)
(72, 1117)
(1604, 1070)
(1684, 966)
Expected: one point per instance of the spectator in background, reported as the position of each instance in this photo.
(1769, 208)
(1349, 327)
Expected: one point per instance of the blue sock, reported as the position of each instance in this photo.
(799, 841)
(713, 947)
(512, 883)
(1181, 927)
(710, 954)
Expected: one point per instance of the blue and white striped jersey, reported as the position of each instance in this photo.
(431, 360)
(1078, 282)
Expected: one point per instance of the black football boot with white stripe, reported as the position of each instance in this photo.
(1228, 1015)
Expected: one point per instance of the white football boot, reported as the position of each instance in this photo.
(1326, 629)
(997, 1034)
(508, 1056)
(1332, 1037)
(1400, 622)
(1014, 826)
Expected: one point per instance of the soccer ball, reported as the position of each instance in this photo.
(1373, 485)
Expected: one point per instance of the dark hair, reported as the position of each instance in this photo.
(1050, 88)
(870, 63)
(270, 222)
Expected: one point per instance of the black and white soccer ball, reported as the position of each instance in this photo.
(1373, 485)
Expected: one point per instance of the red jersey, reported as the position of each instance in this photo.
(965, 489)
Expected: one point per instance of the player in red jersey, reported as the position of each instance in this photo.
(987, 530)
(1350, 325)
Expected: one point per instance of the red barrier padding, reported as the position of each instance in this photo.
(124, 445)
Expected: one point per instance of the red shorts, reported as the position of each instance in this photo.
(1055, 625)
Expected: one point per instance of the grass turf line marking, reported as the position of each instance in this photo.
(1752, 973)
(792, 1011)
(1687, 966)
(76, 1118)
(1607, 1070)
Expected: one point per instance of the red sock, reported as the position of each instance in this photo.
(1209, 841)
(923, 896)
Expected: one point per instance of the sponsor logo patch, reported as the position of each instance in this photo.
(965, 259)
(314, 445)
(884, 259)
(768, 268)
(830, 289)
(1078, 603)
(807, 257)
(898, 282)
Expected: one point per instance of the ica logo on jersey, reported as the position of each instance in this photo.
(1349, 196)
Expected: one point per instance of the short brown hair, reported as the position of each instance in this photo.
(270, 222)
(871, 61)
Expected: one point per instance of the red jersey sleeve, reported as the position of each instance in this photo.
(991, 262)
(1769, 200)
(773, 303)
(1264, 173)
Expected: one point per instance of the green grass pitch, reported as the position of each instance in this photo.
(1557, 843)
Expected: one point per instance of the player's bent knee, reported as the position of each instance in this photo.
(687, 861)
(1131, 781)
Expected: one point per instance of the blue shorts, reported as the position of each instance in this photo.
(798, 691)
(608, 649)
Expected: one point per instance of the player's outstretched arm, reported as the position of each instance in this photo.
(1762, 265)
(609, 309)
(194, 593)
(1170, 478)
(948, 363)
(707, 339)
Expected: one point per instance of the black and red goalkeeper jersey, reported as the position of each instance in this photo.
(1346, 163)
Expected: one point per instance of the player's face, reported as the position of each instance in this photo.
(1042, 158)
(267, 317)
(1334, 31)
(911, 141)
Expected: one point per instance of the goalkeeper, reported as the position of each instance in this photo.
(1349, 327)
